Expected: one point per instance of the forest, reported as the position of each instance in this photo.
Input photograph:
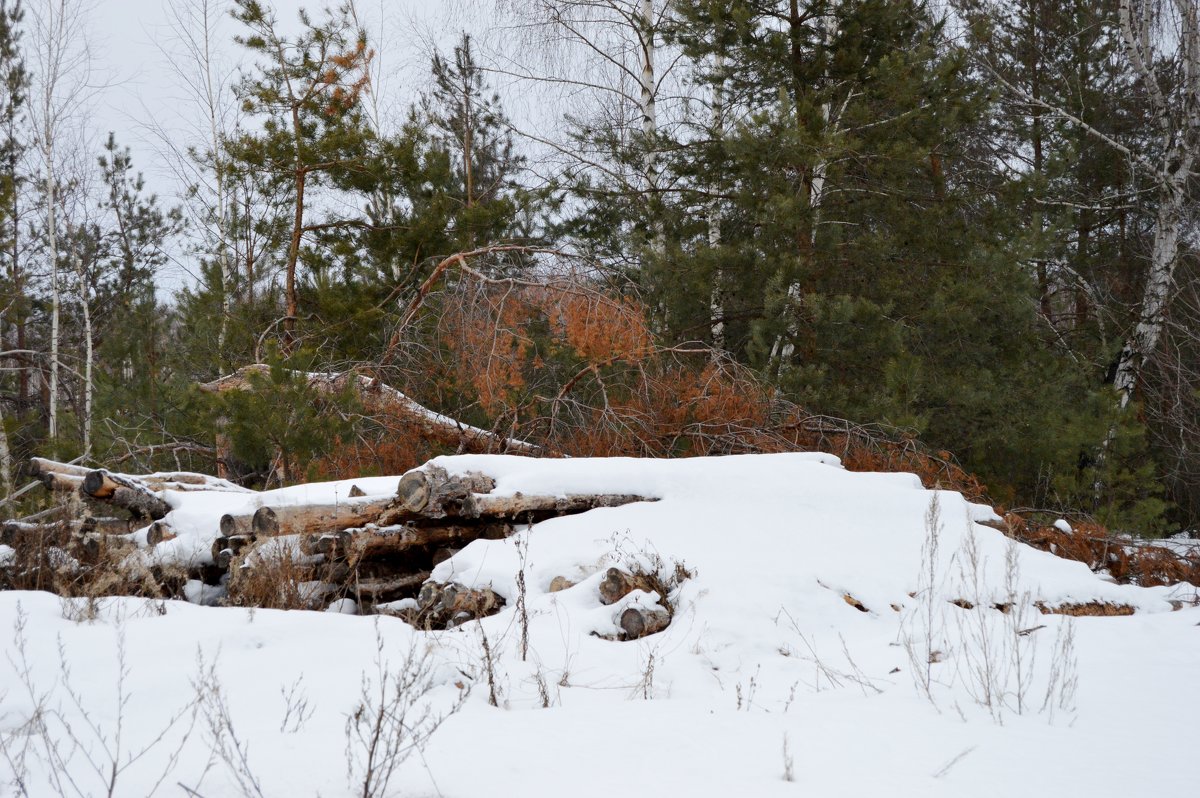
(955, 238)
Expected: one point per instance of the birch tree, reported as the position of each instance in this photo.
(61, 61)
(204, 164)
(607, 60)
(1161, 46)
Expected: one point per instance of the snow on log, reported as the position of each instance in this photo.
(430, 492)
(57, 477)
(126, 492)
(377, 396)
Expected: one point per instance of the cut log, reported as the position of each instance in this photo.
(141, 502)
(308, 518)
(100, 484)
(189, 482)
(39, 466)
(240, 524)
(56, 482)
(96, 546)
(224, 549)
(519, 505)
(389, 541)
(159, 532)
(330, 545)
(430, 493)
(617, 584)
(638, 622)
(377, 590)
(126, 492)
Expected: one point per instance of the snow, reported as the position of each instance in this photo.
(1062, 526)
(765, 663)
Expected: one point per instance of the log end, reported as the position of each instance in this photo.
(638, 622)
(265, 522)
(413, 491)
(99, 485)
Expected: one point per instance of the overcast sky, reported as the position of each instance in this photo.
(141, 97)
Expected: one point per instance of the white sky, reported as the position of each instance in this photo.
(132, 45)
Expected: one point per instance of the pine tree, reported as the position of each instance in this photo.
(307, 91)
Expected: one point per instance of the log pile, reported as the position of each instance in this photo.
(378, 551)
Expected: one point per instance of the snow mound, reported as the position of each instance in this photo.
(854, 633)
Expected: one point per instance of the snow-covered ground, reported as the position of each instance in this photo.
(815, 650)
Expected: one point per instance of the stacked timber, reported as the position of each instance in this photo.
(378, 551)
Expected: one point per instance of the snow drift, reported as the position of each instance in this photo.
(833, 633)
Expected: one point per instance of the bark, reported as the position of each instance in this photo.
(1178, 120)
(38, 466)
(89, 355)
(431, 493)
(387, 542)
(61, 483)
(241, 524)
(716, 296)
(380, 590)
(638, 622)
(308, 518)
(1141, 344)
(57, 477)
(126, 492)
(52, 243)
(6, 482)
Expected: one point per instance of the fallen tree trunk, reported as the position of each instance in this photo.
(377, 397)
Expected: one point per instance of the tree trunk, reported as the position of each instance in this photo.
(1140, 345)
(52, 243)
(716, 296)
(89, 355)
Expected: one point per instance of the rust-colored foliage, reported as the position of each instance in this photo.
(1127, 561)
(565, 367)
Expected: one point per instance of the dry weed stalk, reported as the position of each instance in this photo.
(394, 717)
(82, 749)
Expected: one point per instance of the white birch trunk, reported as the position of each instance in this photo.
(88, 390)
(52, 241)
(1178, 120)
(716, 297)
(645, 33)
(1143, 340)
(644, 22)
